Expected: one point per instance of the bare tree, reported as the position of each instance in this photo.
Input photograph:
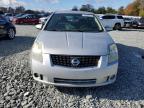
(19, 9)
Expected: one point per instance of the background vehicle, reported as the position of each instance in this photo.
(115, 22)
(138, 23)
(27, 19)
(128, 22)
(9, 16)
(7, 28)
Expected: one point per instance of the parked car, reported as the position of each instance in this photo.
(27, 19)
(7, 29)
(138, 23)
(9, 16)
(115, 22)
(73, 49)
(128, 22)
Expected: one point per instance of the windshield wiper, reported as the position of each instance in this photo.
(75, 30)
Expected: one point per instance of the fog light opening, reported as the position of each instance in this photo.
(36, 75)
(41, 77)
(108, 78)
(142, 56)
(112, 77)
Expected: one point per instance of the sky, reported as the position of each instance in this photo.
(53, 5)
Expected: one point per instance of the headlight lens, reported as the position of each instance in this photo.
(37, 51)
(113, 54)
(1, 27)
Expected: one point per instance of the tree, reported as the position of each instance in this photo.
(3, 9)
(75, 8)
(141, 13)
(121, 10)
(133, 8)
(141, 3)
(100, 10)
(10, 10)
(86, 7)
(19, 9)
(30, 12)
(111, 10)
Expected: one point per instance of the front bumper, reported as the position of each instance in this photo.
(46, 73)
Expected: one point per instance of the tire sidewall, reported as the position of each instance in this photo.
(117, 27)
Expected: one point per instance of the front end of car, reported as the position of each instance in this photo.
(74, 70)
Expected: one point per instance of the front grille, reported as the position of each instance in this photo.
(74, 81)
(75, 61)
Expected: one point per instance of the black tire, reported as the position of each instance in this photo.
(11, 33)
(117, 26)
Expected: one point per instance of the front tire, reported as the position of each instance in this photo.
(11, 34)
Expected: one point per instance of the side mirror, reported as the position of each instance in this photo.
(39, 26)
(107, 28)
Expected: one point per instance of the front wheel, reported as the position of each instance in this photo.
(11, 34)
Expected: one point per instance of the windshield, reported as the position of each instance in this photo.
(74, 22)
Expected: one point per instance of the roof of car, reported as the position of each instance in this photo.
(73, 12)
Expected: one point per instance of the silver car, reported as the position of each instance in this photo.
(73, 49)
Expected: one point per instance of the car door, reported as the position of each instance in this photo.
(29, 20)
(35, 20)
(25, 20)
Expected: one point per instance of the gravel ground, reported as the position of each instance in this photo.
(19, 90)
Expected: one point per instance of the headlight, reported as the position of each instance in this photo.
(113, 54)
(37, 51)
(140, 23)
(1, 27)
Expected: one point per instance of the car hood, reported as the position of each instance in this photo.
(75, 43)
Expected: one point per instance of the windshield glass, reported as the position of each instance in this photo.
(74, 22)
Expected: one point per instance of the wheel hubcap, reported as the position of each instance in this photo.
(11, 33)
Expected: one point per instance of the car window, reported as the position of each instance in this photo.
(120, 17)
(74, 22)
(108, 17)
(29, 16)
(142, 20)
(34, 16)
(8, 14)
(127, 19)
